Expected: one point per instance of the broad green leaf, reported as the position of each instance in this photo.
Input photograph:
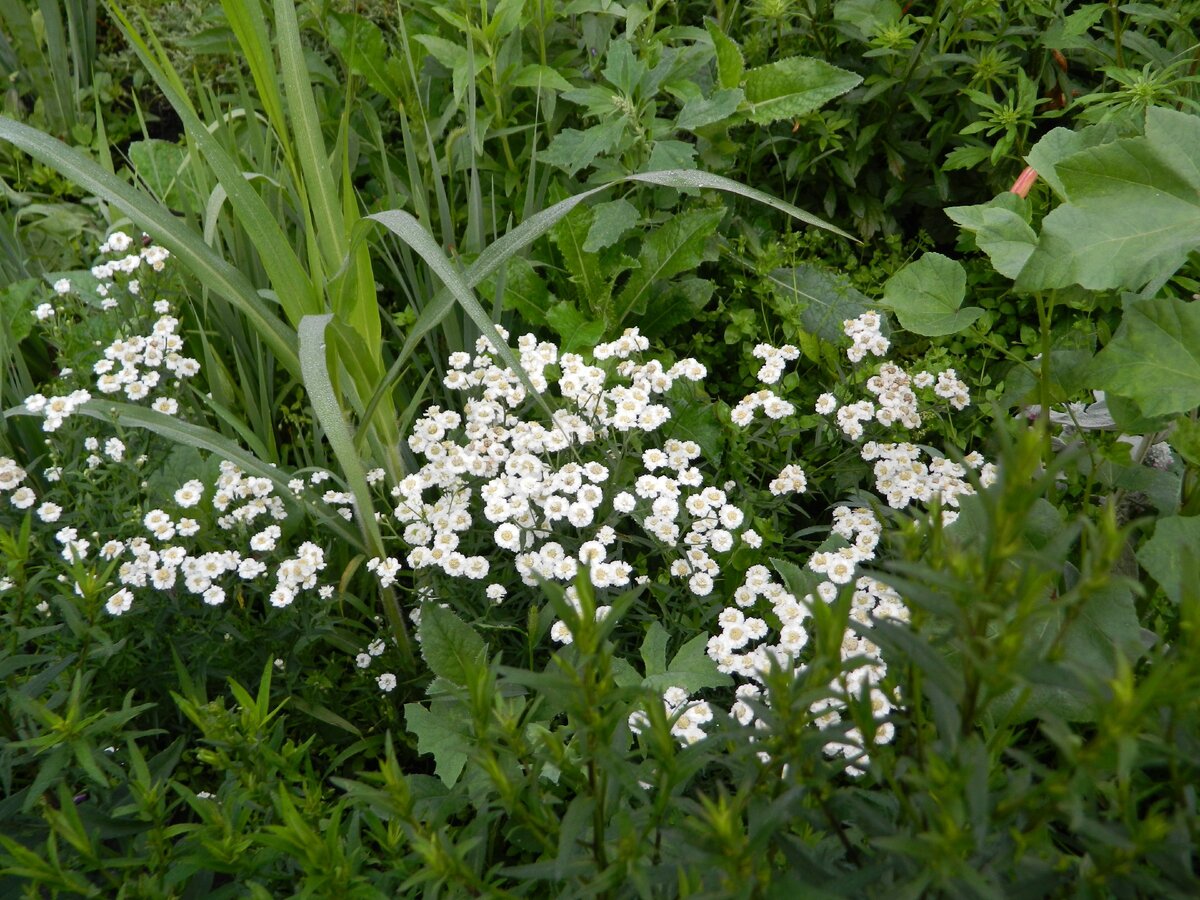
(450, 646)
(679, 304)
(449, 54)
(827, 299)
(1001, 229)
(696, 420)
(361, 43)
(573, 150)
(670, 155)
(622, 69)
(1060, 143)
(793, 87)
(526, 292)
(1132, 214)
(654, 649)
(442, 731)
(159, 165)
(576, 331)
(17, 302)
(926, 296)
(730, 63)
(706, 110)
(583, 266)
(690, 669)
(1106, 626)
(1154, 358)
(541, 77)
(609, 223)
(679, 245)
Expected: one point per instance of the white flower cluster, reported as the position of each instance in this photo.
(774, 360)
(773, 406)
(866, 336)
(55, 410)
(901, 476)
(687, 718)
(151, 255)
(12, 478)
(537, 505)
(135, 365)
(240, 501)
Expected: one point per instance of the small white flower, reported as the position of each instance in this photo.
(49, 512)
(43, 312)
(120, 602)
(62, 286)
(386, 682)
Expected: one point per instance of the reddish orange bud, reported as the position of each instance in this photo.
(1060, 59)
(1024, 182)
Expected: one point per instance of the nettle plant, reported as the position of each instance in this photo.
(586, 474)
(132, 515)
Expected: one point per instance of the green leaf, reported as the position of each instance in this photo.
(703, 111)
(1154, 358)
(576, 331)
(679, 245)
(158, 164)
(1172, 556)
(450, 646)
(17, 302)
(696, 420)
(573, 150)
(1060, 143)
(609, 222)
(654, 649)
(690, 669)
(1001, 229)
(926, 296)
(793, 87)
(570, 236)
(679, 304)
(526, 292)
(1133, 211)
(670, 155)
(542, 78)
(1107, 625)
(827, 299)
(730, 63)
(361, 43)
(622, 69)
(442, 734)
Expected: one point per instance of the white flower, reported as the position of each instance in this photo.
(363, 660)
(49, 512)
(120, 602)
(386, 682)
(43, 312)
(22, 498)
(62, 286)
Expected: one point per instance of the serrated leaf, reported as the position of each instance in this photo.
(572, 150)
(450, 646)
(1154, 358)
(609, 222)
(690, 669)
(1133, 211)
(679, 304)
(827, 299)
(1060, 143)
(793, 87)
(679, 245)
(361, 43)
(575, 330)
(926, 296)
(703, 111)
(965, 157)
(446, 52)
(1000, 230)
(730, 63)
(442, 735)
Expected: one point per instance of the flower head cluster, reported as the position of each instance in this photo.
(136, 366)
(239, 503)
(55, 410)
(687, 717)
(865, 333)
(774, 360)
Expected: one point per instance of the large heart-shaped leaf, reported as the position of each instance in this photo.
(926, 296)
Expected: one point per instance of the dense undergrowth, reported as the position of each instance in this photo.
(584, 449)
